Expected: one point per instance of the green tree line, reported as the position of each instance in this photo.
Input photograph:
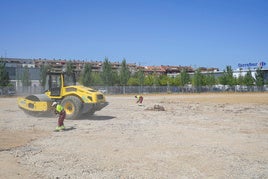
(110, 76)
(123, 77)
(4, 77)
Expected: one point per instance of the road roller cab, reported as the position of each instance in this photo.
(61, 87)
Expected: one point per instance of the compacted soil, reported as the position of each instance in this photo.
(215, 135)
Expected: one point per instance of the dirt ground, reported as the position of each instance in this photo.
(222, 135)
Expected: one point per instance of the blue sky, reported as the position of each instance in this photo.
(198, 33)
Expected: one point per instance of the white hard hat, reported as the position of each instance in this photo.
(54, 103)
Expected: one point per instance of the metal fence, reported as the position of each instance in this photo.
(20, 91)
(9, 91)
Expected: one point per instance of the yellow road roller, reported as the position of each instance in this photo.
(61, 87)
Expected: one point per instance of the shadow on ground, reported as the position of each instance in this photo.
(69, 128)
(96, 118)
(83, 117)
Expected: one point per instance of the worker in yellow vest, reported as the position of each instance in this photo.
(62, 114)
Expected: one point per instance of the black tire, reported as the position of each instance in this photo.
(72, 106)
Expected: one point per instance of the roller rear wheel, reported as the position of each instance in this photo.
(72, 106)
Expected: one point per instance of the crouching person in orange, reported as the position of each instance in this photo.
(62, 114)
(140, 99)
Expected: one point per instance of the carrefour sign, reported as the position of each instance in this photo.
(251, 65)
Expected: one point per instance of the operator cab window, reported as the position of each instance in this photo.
(69, 80)
(55, 81)
(55, 85)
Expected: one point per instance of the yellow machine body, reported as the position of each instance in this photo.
(30, 105)
(77, 100)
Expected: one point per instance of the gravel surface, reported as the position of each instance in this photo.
(195, 136)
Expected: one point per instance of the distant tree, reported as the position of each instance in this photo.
(124, 73)
(184, 78)
(210, 80)
(96, 79)
(155, 79)
(249, 80)
(240, 80)
(115, 78)
(69, 68)
(177, 81)
(25, 79)
(43, 72)
(259, 79)
(86, 75)
(107, 74)
(149, 80)
(141, 77)
(227, 78)
(133, 81)
(223, 79)
(198, 80)
(4, 77)
(173, 81)
(229, 75)
(163, 80)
